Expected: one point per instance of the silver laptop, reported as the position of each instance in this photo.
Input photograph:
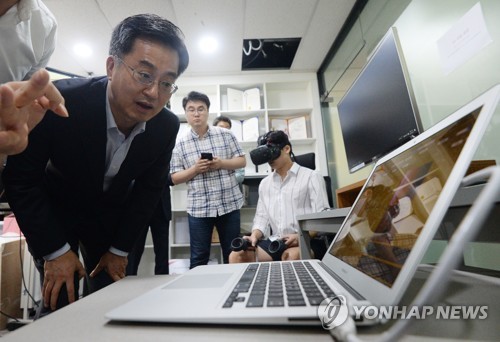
(372, 258)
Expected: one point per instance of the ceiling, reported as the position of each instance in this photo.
(316, 22)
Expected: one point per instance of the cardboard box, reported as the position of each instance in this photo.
(11, 252)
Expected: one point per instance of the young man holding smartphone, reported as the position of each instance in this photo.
(205, 159)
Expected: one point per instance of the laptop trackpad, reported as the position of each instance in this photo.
(200, 281)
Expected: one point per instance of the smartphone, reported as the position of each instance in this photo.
(206, 155)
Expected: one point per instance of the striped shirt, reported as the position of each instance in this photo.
(280, 201)
(213, 193)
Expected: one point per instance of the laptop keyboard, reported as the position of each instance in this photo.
(279, 284)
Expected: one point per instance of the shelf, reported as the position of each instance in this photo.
(302, 142)
(242, 114)
(289, 112)
(241, 86)
(248, 144)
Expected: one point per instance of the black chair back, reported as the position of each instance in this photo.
(306, 160)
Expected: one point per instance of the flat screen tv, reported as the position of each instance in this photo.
(377, 113)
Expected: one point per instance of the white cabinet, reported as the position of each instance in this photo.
(258, 103)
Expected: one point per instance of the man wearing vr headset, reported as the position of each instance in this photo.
(290, 190)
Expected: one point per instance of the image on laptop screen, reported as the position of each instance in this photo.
(392, 208)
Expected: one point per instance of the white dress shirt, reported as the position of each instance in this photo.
(117, 145)
(280, 201)
(28, 32)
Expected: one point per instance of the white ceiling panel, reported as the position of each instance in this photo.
(317, 22)
(277, 19)
(117, 10)
(326, 23)
(222, 19)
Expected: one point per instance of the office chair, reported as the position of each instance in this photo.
(309, 160)
(306, 160)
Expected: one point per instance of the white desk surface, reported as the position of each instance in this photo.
(85, 321)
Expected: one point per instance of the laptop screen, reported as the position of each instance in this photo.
(393, 207)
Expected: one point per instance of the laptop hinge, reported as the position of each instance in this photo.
(352, 291)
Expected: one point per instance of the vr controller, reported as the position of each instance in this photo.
(239, 244)
(277, 246)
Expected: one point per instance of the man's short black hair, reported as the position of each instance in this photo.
(148, 26)
(196, 96)
(223, 118)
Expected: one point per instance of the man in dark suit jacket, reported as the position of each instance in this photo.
(91, 182)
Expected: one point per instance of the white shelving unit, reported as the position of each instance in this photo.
(281, 96)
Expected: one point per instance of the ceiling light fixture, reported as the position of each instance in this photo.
(208, 44)
(82, 50)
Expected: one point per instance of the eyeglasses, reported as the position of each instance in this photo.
(199, 110)
(148, 79)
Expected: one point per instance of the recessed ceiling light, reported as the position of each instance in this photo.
(82, 50)
(208, 44)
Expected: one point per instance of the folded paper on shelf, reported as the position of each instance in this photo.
(243, 99)
(246, 130)
(295, 128)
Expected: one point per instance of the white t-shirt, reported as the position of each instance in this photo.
(28, 32)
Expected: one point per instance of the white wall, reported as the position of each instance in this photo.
(437, 94)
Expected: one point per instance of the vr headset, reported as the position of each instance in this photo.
(265, 154)
(266, 151)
